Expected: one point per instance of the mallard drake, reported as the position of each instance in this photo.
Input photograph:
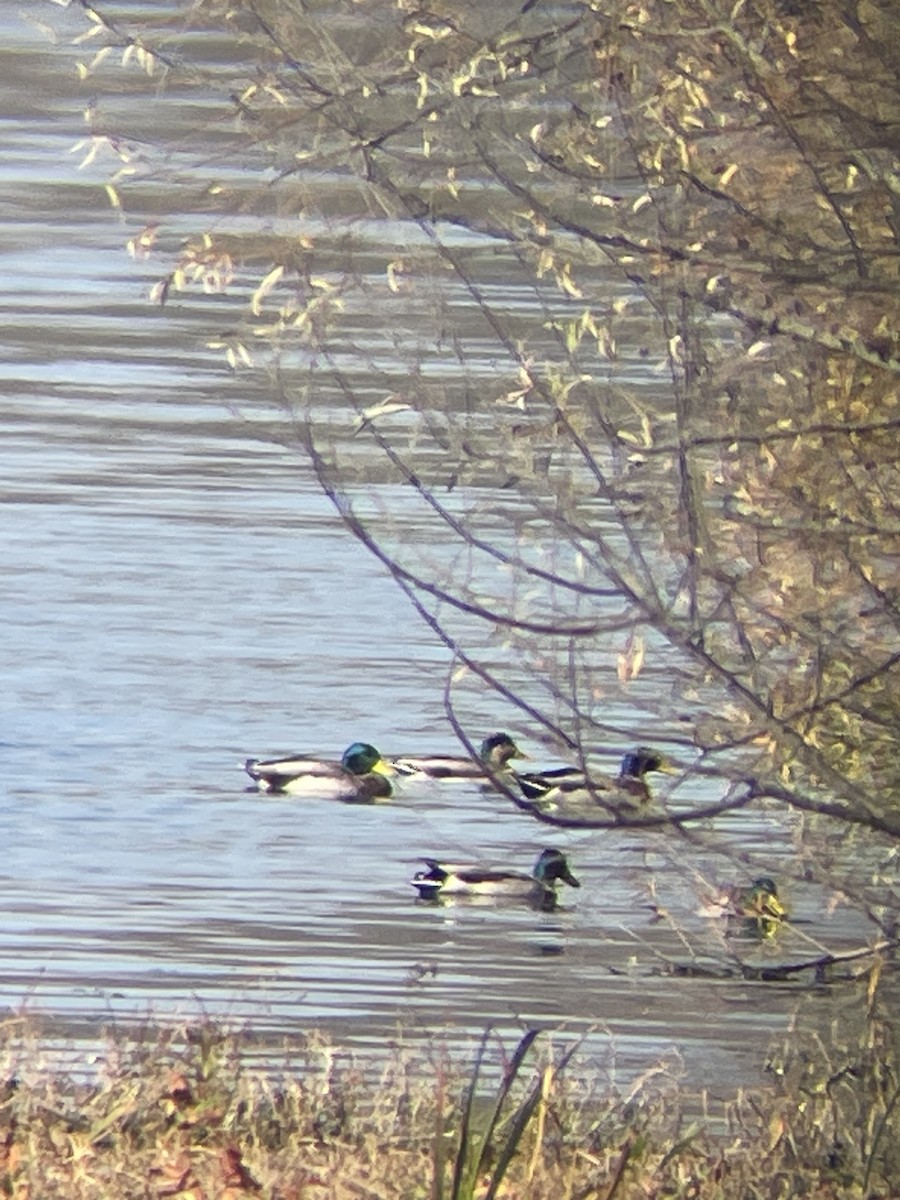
(466, 879)
(759, 901)
(755, 911)
(755, 907)
(361, 775)
(569, 785)
(495, 752)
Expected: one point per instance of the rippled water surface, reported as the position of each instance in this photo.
(178, 595)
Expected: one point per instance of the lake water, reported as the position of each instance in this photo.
(179, 595)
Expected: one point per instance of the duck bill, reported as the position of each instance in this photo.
(382, 767)
(570, 879)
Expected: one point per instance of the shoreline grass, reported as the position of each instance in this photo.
(180, 1113)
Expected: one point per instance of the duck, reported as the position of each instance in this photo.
(361, 776)
(570, 785)
(758, 902)
(495, 753)
(754, 911)
(467, 880)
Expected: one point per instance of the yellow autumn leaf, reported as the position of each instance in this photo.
(268, 283)
(394, 271)
(568, 284)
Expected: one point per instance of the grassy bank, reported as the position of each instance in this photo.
(185, 1114)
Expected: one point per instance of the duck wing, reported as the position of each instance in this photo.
(449, 878)
(483, 881)
(584, 795)
(535, 785)
(275, 772)
(438, 766)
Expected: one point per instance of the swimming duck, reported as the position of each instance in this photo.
(496, 752)
(462, 879)
(569, 785)
(754, 911)
(361, 775)
(759, 901)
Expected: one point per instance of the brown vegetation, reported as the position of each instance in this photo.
(182, 1115)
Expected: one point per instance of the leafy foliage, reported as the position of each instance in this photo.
(688, 452)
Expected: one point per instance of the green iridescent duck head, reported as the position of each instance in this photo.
(760, 900)
(638, 763)
(363, 759)
(553, 865)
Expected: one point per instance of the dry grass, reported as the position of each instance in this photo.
(185, 1114)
